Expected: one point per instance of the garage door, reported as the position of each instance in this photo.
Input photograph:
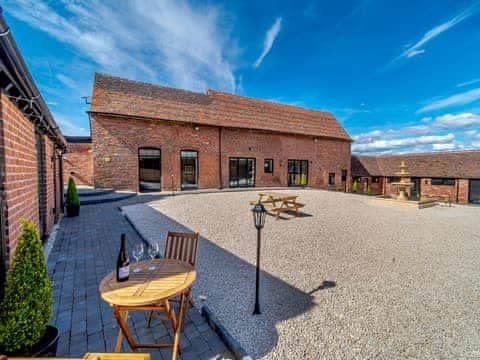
(474, 191)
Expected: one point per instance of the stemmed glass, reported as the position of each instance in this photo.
(153, 251)
(137, 254)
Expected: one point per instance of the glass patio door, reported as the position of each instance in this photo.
(189, 169)
(297, 172)
(474, 192)
(149, 169)
(242, 172)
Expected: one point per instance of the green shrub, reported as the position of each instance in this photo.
(26, 307)
(355, 186)
(72, 194)
(369, 190)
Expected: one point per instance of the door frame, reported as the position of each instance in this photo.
(138, 165)
(417, 181)
(288, 173)
(230, 172)
(470, 181)
(196, 171)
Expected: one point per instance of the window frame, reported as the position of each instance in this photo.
(270, 167)
(442, 182)
(331, 175)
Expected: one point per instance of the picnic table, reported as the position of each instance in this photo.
(150, 290)
(279, 202)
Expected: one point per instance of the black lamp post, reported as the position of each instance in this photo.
(259, 221)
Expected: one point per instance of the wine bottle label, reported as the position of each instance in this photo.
(123, 272)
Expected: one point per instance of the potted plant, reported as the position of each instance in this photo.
(26, 307)
(369, 190)
(73, 201)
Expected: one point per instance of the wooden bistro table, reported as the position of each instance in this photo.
(149, 290)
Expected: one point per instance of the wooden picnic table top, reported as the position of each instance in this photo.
(279, 196)
(169, 279)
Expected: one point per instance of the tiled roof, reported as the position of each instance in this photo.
(114, 95)
(452, 164)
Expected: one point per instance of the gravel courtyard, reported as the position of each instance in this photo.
(407, 280)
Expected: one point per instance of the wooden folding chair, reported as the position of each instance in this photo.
(180, 246)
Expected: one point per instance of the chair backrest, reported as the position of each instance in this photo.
(182, 246)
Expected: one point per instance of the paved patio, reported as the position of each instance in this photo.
(407, 280)
(84, 252)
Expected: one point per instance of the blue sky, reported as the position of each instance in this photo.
(400, 76)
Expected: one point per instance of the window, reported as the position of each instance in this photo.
(268, 166)
(331, 179)
(391, 179)
(344, 175)
(443, 181)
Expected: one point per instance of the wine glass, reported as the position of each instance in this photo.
(137, 254)
(153, 251)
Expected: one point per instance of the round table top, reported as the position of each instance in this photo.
(170, 278)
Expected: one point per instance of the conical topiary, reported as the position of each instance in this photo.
(26, 307)
(72, 201)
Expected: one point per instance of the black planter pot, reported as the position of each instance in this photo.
(73, 210)
(47, 346)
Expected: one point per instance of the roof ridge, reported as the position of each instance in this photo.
(270, 102)
(145, 84)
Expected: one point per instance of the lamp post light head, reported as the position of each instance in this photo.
(259, 213)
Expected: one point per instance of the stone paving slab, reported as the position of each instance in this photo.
(84, 252)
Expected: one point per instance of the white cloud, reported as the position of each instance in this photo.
(416, 49)
(443, 147)
(454, 100)
(175, 42)
(390, 144)
(472, 134)
(270, 37)
(68, 127)
(466, 83)
(413, 53)
(457, 121)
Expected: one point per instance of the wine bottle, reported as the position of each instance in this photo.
(123, 264)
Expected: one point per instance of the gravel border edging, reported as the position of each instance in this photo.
(232, 344)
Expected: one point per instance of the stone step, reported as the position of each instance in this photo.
(105, 198)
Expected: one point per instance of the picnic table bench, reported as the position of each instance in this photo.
(278, 202)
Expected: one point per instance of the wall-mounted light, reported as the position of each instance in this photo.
(197, 128)
(107, 159)
(315, 140)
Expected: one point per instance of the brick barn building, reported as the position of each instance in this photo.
(31, 147)
(454, 174)
(147, 137)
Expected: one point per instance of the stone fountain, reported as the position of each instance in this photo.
(404, 184)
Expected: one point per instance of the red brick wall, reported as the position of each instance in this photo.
(78, 163)
(116, 142)
(20, 171)
(324, 156)
(463, 191)
(50, 181)
(115, 151)
(427, 189)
